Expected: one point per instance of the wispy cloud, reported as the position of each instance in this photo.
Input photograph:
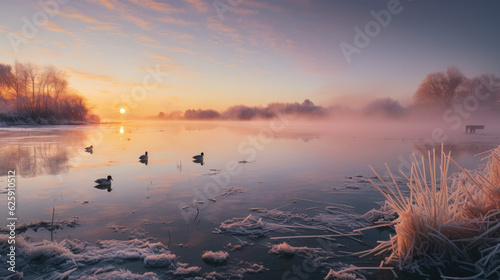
(82, 17)
(159, 56)
(176, 35)
(188, 51)
(147, 41)
(132, 14)
(156, 6)
(3, 29)
(200, 5)
(81, 46)
(311, 58)
(60, 44)
(214, 24)
(118, 34)
(139, 21)
(110, 4)
(99, 24)
(178, 21)
(145, 38)
(52, 26)
(263, 5)
(244, 11)
(45, 51)
(103, 27)
(169, 67)
(87, 75)
(9, 53)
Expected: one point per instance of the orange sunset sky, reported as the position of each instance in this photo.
(251, 52)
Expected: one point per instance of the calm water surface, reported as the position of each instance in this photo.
(303, 161)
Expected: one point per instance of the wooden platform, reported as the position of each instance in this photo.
(472, 128)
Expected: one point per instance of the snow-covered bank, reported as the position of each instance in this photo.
(16, 120)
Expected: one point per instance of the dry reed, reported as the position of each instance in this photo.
(445, 220)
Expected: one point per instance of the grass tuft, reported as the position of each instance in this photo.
(445, 220)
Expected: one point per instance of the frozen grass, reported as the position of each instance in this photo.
(232, 190)
(445, 222)
(333, 275)
(338, 222)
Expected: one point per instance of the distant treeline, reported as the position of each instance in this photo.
(445, 93)
(39, 95)
(449, 94)
(242, 112)
(452, 89)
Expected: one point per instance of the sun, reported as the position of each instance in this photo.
(122, 110)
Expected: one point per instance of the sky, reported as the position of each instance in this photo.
(164, 55)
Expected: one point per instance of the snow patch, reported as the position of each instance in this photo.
(215, 258)
(158, 261)
(282, 249)
(238, 272)
(106, 259)
(193, 270)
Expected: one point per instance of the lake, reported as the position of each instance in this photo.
(310, 172)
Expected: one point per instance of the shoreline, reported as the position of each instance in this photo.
(8, 120)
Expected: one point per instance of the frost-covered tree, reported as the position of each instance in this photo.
(41, 92)
(440, 87)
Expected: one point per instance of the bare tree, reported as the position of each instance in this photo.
(5, 78)
(31, 72)
(41, 92)
(440, 88)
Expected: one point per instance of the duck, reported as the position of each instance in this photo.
(199, 157)
(89, 149)
(104, 181)
(144, 156)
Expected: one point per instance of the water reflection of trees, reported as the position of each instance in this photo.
(37, 153)
(456, 149)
